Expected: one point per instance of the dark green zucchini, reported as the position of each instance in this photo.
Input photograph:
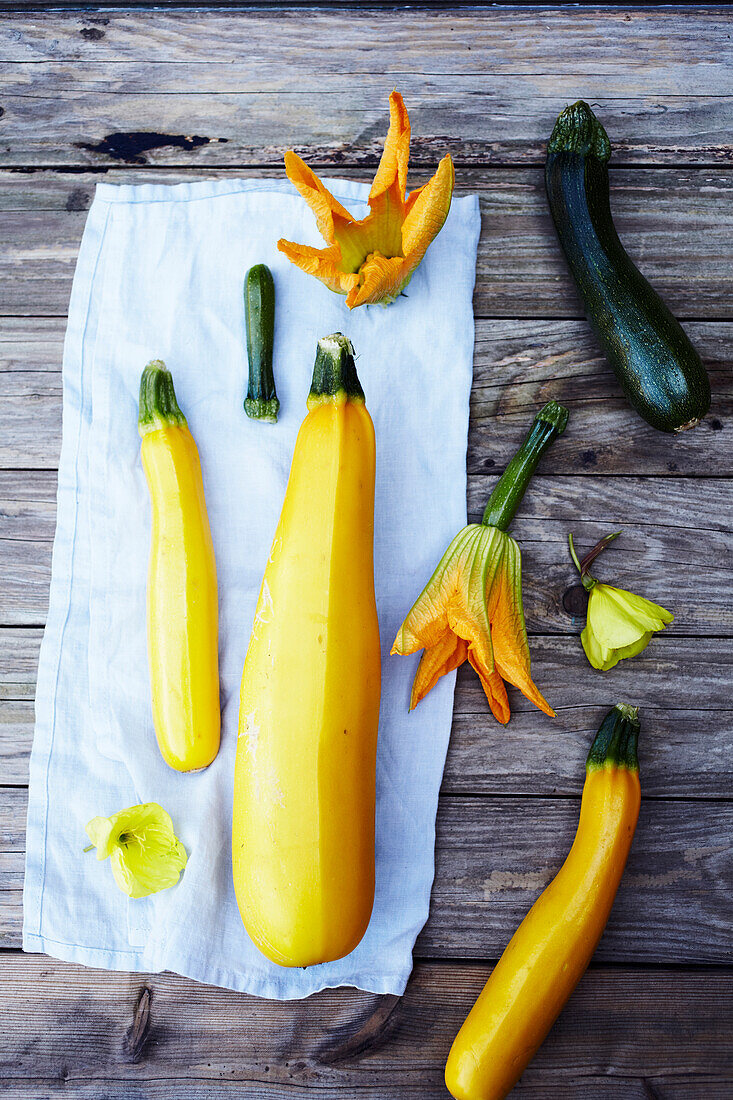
(657, 366)
(261, 402)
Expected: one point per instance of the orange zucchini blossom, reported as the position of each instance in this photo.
(372, 260)
(471, 608)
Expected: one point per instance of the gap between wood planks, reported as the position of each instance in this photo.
(458, 795)
(469, 963)
(203, 171)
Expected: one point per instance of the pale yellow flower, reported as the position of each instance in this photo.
(619, 623)
(145, 852)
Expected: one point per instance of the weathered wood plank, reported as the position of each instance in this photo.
(681, 684)
(13, 810)
(254, 74)
(517, 41)
(685, 565)
(679, 1086)
(691, 52)
(25, 562)
(16, 737)
(18, 663)
(494, 856)
(673, 221)
(29, 344)
(469, 76)
(621, 1031)
(682, 687)
(518, 366)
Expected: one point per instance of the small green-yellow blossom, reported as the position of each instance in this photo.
(146, 854)
(619, 623)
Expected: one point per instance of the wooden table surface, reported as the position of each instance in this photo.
(168, 95)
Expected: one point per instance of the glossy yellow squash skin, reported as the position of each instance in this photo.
(552, 947)
(182, 600)
(304, 790)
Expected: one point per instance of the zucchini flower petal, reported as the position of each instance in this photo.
(145, 852)
(471, 608)
(372, 260)
(619, 623)
(320, 262)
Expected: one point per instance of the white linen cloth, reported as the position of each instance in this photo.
(160, 275)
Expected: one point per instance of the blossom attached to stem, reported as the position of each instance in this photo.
(145, 852)
(619, 623)
(471, 608)
(372, 260)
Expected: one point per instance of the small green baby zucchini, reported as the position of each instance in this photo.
(261, 402)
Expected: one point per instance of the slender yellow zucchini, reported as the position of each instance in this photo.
(182, 594)
(304, 786)
(553, 945)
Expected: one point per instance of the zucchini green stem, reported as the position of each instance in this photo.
(547, 426)
(158, 405)
(577, 130)
(582, 566)
(334, 371)
(616, 742)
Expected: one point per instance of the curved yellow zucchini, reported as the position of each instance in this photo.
(182, 593)
(304, 788)
(553, 945)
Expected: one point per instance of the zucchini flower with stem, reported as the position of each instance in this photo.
(372, 260)
(619, 624)
(471, 608)
(146, 854)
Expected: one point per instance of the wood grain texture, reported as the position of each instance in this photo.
(77, 91)
(623, 1036)
(673, 221)
(13, 804)
(164, 96)
(682, 685)
(18, 664)
(495, 856)
(518, 366)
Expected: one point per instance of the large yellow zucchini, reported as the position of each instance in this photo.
(304, 789)
(553, 945)
(182, 594)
